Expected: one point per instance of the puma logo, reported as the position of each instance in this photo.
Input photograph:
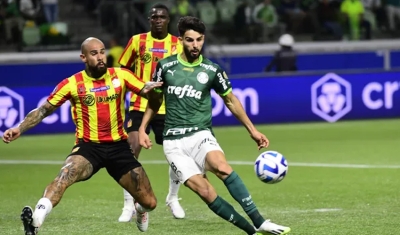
(171, 72)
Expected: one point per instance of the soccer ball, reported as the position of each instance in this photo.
(271, 167)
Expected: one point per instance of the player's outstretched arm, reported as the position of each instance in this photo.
(155, 100)
(33, 118)
(149, 86)
(234, 105)
(137, 86)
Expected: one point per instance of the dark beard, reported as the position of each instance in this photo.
(189, 56)
(96, 72)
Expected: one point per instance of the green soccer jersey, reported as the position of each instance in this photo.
(187, 93)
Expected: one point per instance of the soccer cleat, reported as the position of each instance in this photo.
(127, 214)
(26, 217)
(176, 209)
(270, 228)
(142, 220)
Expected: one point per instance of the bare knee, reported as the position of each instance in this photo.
(223, 170)
(150, 203)
(202, 187)
(76, 168)
(138, 185)
(217, 164)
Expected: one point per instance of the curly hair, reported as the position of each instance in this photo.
(187, 23)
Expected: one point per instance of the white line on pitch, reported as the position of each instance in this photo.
(156, 162)
(321, 210)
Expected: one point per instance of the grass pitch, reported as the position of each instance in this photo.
(343, 179)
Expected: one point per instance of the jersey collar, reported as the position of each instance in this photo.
(85, 75)
(187, 64)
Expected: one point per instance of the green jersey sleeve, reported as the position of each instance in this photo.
(158, 73)
(221, 83)
(158, 76)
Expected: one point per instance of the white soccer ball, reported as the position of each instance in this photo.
(271, 167)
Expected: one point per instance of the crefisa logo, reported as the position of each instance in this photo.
(331, 97)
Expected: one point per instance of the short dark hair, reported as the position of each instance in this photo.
(187, 23)
(159, 6)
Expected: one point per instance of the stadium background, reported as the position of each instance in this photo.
(335, 119)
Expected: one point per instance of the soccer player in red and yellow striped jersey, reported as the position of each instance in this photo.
(141, 55)
(97, 103)
(97, 97)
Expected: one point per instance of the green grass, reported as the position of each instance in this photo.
(368, 198)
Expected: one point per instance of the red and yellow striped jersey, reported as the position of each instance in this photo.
(97, 105)
(142, 53)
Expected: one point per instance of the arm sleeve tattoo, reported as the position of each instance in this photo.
(35, 116)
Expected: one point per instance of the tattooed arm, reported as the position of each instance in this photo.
(33, 118)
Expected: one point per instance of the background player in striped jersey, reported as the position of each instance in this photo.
(97, 96)
(141, 56)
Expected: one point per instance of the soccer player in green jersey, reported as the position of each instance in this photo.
(189, 143)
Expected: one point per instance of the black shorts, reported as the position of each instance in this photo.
(116, 157)
(156, 124)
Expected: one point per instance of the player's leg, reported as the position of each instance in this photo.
(215, 162)
(135, 119)
(78, 166)
(189, 173)
(172, 200)
(129, 173)
(132, 130)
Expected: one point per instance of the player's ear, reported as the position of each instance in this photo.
(83, 58)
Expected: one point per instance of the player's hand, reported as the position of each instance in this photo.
(261, 140)
(148, 86)
(11, 135)
(144, 140)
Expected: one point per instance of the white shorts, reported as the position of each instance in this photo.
(187, 155)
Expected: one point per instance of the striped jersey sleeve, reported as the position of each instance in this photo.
(128, 57)
(61, 93)
(132, 82)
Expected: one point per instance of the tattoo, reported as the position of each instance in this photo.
(67, 173)
(135, 175)
(141, 184)
(35, 116)
(75, 169)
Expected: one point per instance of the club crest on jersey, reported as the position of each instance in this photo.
(116, 83)
(202, 77)
(81, 90)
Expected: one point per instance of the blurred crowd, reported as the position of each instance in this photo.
(33, 22)
(30, 22)
(265, 20)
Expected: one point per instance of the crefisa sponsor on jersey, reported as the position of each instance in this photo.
(332, 96)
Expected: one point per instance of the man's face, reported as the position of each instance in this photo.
(159, 20)
(192, 42)
(95, 57)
